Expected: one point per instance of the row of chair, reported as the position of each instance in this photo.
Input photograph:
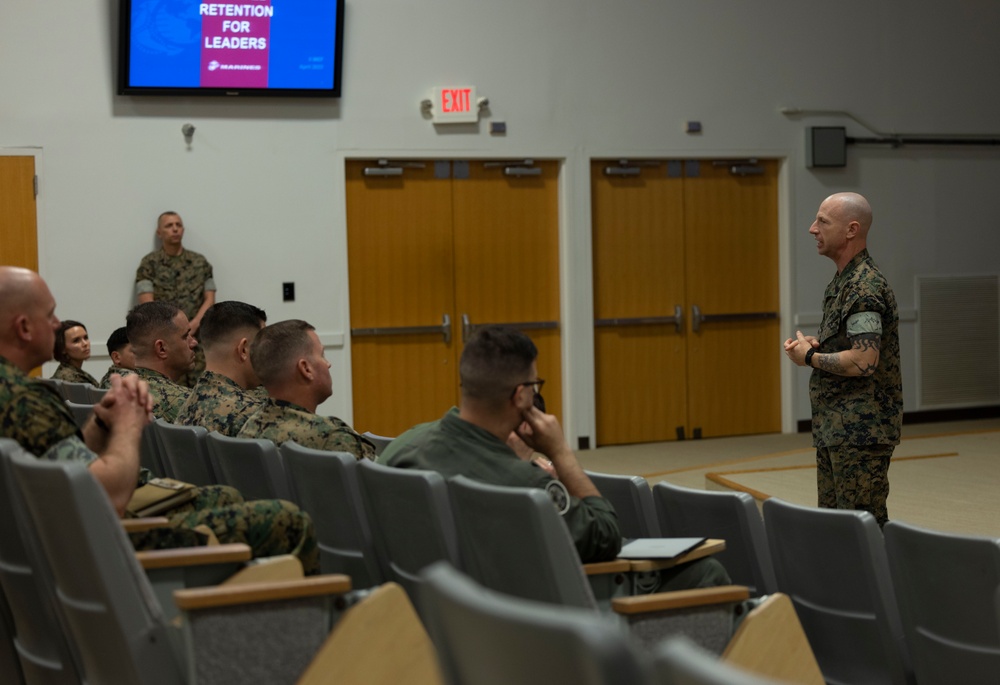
(81, 393)
(889, 608)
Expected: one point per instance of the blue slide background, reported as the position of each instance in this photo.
(166, 44)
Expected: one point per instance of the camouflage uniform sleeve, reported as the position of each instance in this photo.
(70, 449)
(38, 419)
(144, 276)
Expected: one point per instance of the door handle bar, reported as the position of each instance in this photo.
(677, 319)
(697, 318)
(444, 329)
(468, 328)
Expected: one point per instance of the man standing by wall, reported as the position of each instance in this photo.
(179, 276)
(856, 387)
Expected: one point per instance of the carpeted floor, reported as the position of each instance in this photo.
(944, 476)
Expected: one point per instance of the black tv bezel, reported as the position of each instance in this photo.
(124, 52)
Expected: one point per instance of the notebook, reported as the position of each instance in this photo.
(657, 548)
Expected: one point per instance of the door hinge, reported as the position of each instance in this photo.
(34, 185)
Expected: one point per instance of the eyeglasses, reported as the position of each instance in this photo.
(537, 385)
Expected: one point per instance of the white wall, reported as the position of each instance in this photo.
(261, 188)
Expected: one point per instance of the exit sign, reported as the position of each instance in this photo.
(455, 105)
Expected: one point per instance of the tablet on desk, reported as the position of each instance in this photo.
(657, 548)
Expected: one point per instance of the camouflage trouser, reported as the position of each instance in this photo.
(854, 477)
(269, 527)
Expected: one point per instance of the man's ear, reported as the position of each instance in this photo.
(243, 349)
(159, 349)
(305, 369)
(22, 328)
(853, 228)
(116, 358)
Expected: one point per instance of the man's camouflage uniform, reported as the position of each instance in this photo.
(218, 403)
(168, 397)
(182, 280)
(71, 374)
(106, 378)
(280, 421)
(856, 421)
(33, 414)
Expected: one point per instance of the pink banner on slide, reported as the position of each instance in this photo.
(235, 44)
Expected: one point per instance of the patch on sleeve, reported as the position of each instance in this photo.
(560, 496)
(70, 449)
(864, 322)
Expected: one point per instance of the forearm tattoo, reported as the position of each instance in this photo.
(864, 342)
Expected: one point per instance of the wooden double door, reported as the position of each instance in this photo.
(18, 216)
(687, 339)
(435, 249)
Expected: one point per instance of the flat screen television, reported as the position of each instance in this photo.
(231, 47)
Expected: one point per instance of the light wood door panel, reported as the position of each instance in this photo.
(732, 268)
(707, 239)
(638, 274)
(507, 258)
(423, 245)
(400, 263)
(18, 216)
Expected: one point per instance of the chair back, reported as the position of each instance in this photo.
(326, 485)
(39, 639)
(114, 621)
(410, 520)
(633, 502)
(185, 452)
(486, 638)
(80, 412)
(729, 516)
(96, 394)
(948, 590)
(76, 392)
(512, 540)
(10, 665)
(251, 465)
(832, 564)
(150, 456)
(380, 441)
(679, 661)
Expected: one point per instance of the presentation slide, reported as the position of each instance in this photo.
(239, 44)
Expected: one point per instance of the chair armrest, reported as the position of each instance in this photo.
(681, 599)
(703, 550)
(603, 567)
(230, 595)
(143, 524)
(194, 556)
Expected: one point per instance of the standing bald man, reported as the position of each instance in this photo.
(856, 388)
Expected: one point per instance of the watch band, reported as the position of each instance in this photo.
(809, 356)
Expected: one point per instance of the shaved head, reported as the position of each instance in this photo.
(852, 207)
(27, 317)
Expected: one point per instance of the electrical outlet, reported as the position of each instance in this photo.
(288, 292)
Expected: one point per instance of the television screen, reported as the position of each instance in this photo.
(230, 47)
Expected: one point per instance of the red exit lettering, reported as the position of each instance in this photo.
(456, 100)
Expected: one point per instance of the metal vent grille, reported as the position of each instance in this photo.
(959, 340)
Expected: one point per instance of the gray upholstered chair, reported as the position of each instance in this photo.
(76, 392)
(633, 502)
(252, 466)
(513, 541)
(410, 519)
(185, 452)
(678, 661)
(45, 654)
(832, 564)
(486, 638)
(729, 516)
(259, 633)
(948, 590)
(380, 441)
(80, 411)
(326, 486)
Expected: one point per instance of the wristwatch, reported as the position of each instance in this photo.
(809, 356)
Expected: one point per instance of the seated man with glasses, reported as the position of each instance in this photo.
(499, 385)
